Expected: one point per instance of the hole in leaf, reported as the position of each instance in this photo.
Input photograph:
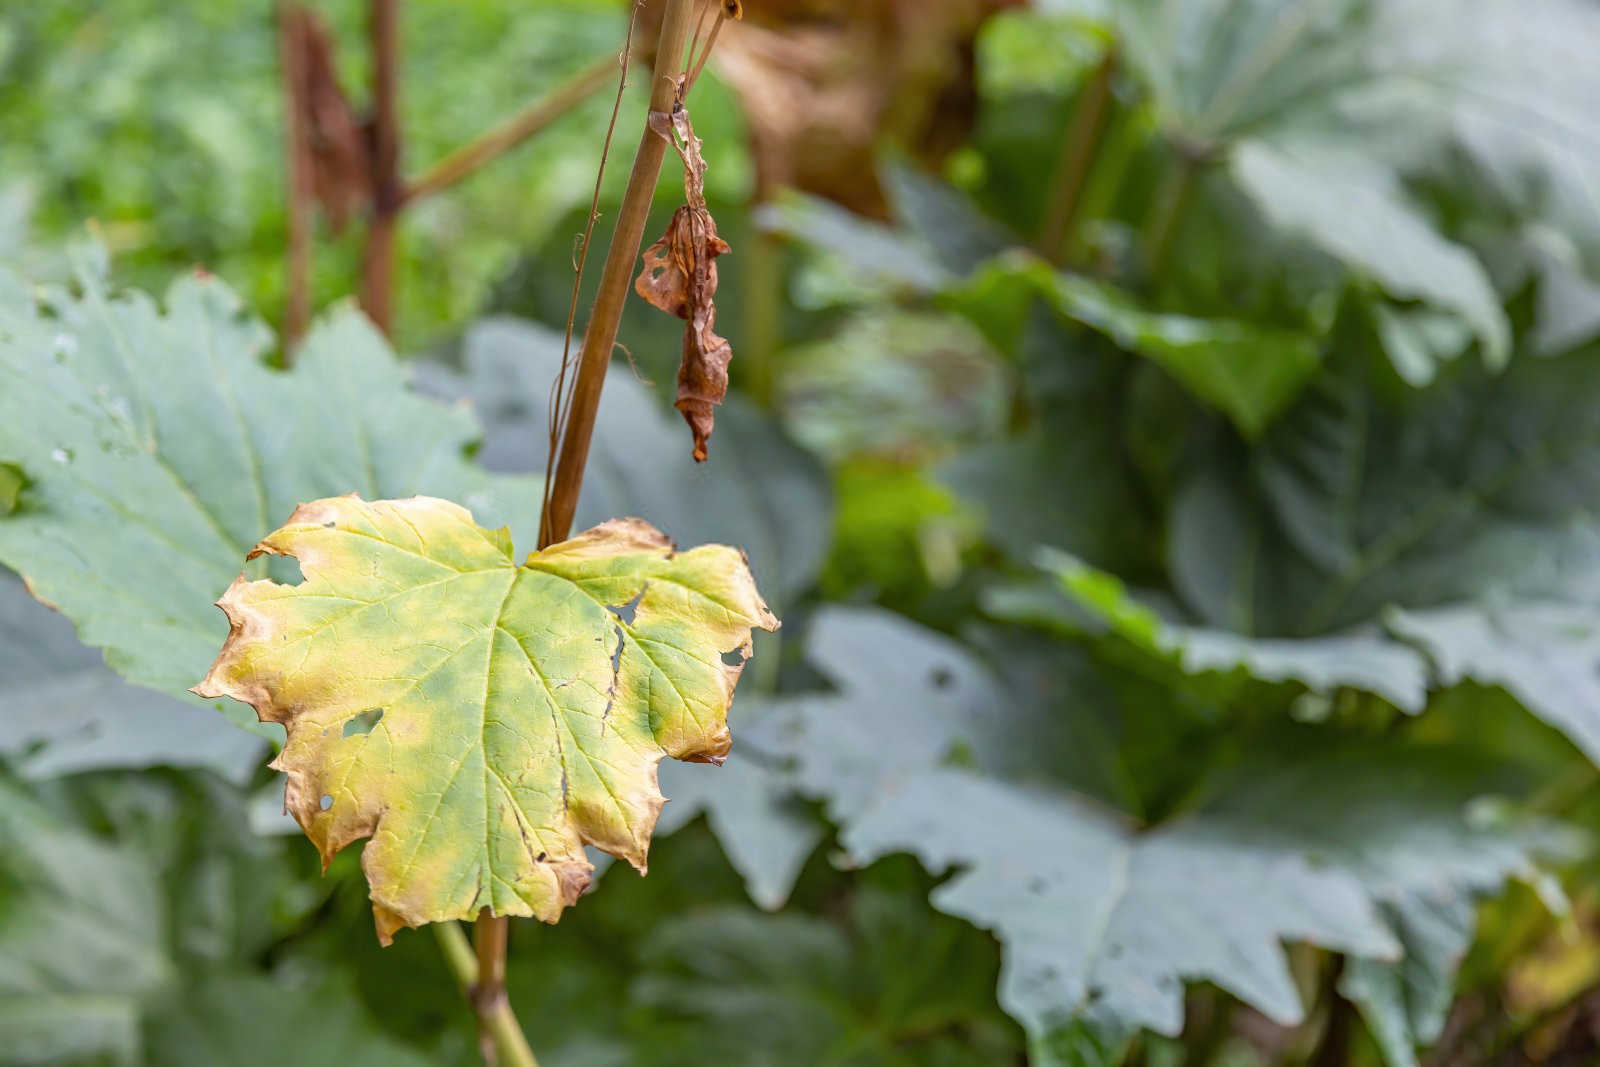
(942, 677)
(330, 524)
(327, 801)
(734, 657)
(285, 570)
(626, 612)
(363, 723)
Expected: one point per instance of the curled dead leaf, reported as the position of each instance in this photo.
(334, 137)
(680, 278)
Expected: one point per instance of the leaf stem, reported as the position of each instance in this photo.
(509, 1045)
(488, 988)
(616, 280)
(512, 131)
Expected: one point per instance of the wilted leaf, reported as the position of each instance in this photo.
(482, 721)
(680, 278)
(160, 447)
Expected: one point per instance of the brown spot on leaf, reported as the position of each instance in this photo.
(680, 278)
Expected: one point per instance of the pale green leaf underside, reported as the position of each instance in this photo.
(482, 721)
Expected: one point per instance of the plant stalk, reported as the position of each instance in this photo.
(1166, 212)
(513, 131)
(616, 280)
(595, 357)
(510, 1046)
(297, 280)
(377, 266)
(1085, 130)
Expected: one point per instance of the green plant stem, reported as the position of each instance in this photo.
(513, 131)
(616, 280)
(1172, 198)
(510, 1045)
(1085, 131)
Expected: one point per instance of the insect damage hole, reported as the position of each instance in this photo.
(326, 802)
(734, 657)
(363, 723)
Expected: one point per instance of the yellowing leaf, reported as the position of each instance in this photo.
(482, 721)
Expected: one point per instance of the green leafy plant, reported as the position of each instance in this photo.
(1185, 549)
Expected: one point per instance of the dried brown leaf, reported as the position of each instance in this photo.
(334, 135)
(680, 278)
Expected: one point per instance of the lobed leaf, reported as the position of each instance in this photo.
(479, 720)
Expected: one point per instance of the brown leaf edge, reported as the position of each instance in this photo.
(246, 627)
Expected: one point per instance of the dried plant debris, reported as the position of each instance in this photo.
(680, 278)
(335, 139)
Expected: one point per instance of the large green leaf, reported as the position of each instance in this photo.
(1101, 924)
(1467, 505)
(247, 1020)
(895, 986)
(1082, 601)
(1102, 921)
(492, 719)
(159, 447)
(882, 666)
(1250, 372)
(1324, 109)
(81, 940)
(63, 711)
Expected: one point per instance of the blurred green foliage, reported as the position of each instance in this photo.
(1209, 600)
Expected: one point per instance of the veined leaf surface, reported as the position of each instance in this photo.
(482, 721)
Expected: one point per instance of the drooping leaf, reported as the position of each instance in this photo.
(482, 721)
(680, 278)
(1355, 216)
(159, 448)
(63, 711)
